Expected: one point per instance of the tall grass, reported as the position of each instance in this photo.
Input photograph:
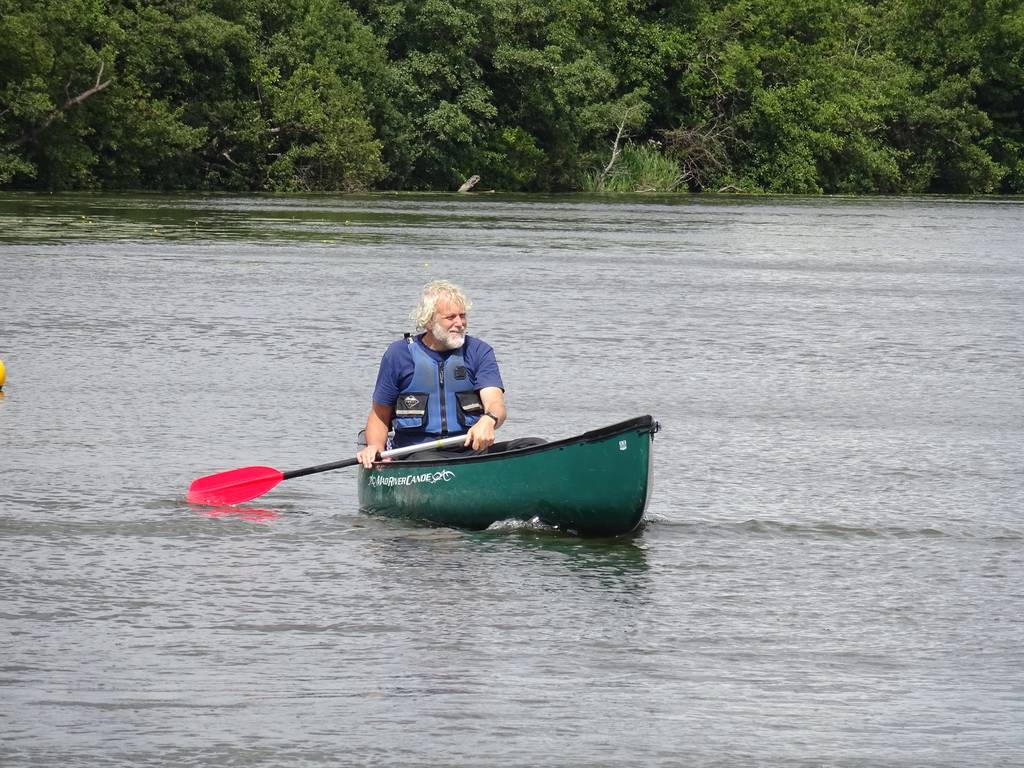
(640, 168)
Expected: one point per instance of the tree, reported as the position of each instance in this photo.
(316, 63)
(441, 111)
(565, 73)
(55, 64)
(964, 128)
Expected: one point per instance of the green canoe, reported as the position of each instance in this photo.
(596, 484)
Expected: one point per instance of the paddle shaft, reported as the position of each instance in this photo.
(447, 442)
(239, 485)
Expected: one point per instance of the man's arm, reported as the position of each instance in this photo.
(493, 399)
(481, 434)
(378, 423)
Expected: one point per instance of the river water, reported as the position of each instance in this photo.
(831, 572)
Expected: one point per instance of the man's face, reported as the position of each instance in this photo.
(449, 325)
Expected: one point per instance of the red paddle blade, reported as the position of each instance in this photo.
(234, 486)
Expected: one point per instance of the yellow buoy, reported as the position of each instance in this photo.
(3, 374)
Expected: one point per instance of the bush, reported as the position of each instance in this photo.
(640, 168)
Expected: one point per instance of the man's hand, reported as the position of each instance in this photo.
(368, 455)
(376, 433)
(481, 435)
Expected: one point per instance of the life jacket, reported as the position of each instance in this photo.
(439, 400)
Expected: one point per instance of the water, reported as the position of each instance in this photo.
(832, 568)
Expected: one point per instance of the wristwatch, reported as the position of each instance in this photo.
(488, 413)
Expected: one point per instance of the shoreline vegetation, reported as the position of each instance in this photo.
(805, 97)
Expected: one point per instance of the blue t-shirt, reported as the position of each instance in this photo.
(397, 367)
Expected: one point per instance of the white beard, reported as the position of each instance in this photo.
(452, 340)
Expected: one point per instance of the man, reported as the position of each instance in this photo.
(438, 383)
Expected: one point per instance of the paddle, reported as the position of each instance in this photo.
(239, 485)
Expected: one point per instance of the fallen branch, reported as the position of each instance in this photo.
(471, 182)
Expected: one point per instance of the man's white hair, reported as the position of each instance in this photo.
(437, 290)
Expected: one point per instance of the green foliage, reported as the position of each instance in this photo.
(327, 141)
(514, 161)
(52, 54)
(965, 119)
(784, 96)
(557, 73)
(313, 76)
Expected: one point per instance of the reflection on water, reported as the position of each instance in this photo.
(242, 512)
(618, 555)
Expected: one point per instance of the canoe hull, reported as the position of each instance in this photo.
(596, 484)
